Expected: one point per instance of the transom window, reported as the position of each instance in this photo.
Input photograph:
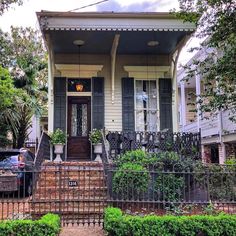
(146, 105)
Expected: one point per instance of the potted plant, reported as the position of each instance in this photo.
(58, 139)
(95, 137)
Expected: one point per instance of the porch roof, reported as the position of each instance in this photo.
(98, 30)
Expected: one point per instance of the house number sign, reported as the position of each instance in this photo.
(72, 183)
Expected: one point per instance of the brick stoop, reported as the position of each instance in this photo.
(75, 190)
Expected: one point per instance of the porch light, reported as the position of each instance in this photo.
(79, 87)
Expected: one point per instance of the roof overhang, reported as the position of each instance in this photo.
(98, 30)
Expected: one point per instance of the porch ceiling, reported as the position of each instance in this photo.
(131, 42)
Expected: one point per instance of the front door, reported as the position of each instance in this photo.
(79, 123)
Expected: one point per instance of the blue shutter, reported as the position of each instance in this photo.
(98, 102)
(128, 104)
(165, 93)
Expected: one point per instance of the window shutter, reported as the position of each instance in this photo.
(165, 93)
(98, 102)
(128, 104)
(60, 103)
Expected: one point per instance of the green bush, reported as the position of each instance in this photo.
(136, 156)
(117, 224)
(219, 180)
(48, 225)
(169, 187)
(130, 180)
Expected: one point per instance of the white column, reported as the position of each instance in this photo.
(183, 105)
(198, 93)
(50, 94)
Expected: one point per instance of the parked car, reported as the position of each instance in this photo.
(16, 171)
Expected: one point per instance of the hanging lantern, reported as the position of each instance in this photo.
(79, 87)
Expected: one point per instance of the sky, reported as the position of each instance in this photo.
(25, 15)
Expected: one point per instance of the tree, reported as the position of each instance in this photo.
(216, 21)
(27, 59)
(5, 4)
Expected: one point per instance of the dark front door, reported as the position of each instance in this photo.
(79, 123)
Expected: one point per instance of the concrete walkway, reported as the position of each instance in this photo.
(82, 231)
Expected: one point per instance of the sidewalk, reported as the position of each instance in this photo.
(82, 231)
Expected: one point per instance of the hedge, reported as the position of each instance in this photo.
(48, 225)
(118, 224)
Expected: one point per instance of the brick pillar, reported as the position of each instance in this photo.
(206, 154)
(222, 153)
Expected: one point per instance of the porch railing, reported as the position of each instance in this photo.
(185, 144)
(43, 151)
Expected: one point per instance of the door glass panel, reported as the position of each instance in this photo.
(79, 121)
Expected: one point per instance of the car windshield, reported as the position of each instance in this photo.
(8, 160)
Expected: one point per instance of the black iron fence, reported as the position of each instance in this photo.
(79, 192)
(185, 144)
(181, 189)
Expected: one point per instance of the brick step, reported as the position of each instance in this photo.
(65, 208)
(94, 181)
(66, 196)
(49, 173)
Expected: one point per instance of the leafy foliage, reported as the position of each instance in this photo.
(58, 137)
(169, 187)
(95, 136)
(23, 53)
(47, 225)
(130, 180)
(118, 224)
(216, 21)
(219, 180)
(5, 4)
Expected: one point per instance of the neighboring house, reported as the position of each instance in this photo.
(218, 133)
(111, 70)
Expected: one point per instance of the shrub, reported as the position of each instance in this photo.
(117, 224)
(219, 180)
(95, 136)
(169, 187)
(58, 137)
(130, 180)
(136, 156)
(48, 225)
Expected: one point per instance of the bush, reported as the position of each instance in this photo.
(136, 156)
(219, 180)
(48, 225)
(117, 224)
(130, 180)
(169, 187)
(58, 137)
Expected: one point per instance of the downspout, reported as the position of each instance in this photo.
(113, 65)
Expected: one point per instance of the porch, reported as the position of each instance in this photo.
(112, 70)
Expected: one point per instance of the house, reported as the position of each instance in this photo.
(111, 70)
(218, 132)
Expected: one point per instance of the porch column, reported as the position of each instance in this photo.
(50, 93)
(183, 105)
(198, 93)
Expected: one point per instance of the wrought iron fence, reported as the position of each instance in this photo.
(185, 144)
(79, 192)
(75, 191)
(181, 189)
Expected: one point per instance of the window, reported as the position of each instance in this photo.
(146, 105)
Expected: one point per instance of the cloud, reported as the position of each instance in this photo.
(144, 6)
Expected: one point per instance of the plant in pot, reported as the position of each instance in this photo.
(95, 137)
(58, 139)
